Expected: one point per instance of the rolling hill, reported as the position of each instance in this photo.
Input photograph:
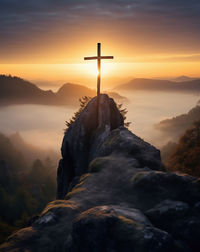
(183, 78)
(176, 126)
(14, 90)
(160, 85)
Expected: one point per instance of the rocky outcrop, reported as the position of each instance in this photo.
(82, 139)
(113, 194)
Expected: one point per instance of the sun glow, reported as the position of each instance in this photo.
(112, 73)
(91, 69)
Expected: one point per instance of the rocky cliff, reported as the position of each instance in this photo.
(113, 194)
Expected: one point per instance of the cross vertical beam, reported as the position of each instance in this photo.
(99, 68)
(98, 58)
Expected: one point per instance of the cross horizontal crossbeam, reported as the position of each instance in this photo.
(101, 57)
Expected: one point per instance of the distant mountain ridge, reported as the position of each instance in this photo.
(176, 126)
(184, 78)
(14, 90)
(160, 85)
(17, 90)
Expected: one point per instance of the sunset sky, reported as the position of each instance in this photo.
(149, 38)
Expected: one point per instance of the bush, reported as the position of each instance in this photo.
(83, 103)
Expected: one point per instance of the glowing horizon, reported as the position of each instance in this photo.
(112, 73)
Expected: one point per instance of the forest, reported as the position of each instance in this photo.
(26, 185)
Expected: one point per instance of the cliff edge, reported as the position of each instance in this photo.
(113, 194)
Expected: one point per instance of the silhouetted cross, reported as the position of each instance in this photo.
(98, 58)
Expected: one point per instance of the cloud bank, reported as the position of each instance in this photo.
(171, 25)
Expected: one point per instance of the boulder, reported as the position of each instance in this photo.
(114, 228)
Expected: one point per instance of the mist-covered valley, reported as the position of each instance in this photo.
(31, 137)
(147, 108)
(43, 126)
(39, 125)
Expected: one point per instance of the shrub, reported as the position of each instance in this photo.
(83, 103)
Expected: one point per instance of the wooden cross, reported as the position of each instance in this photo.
(98, 58)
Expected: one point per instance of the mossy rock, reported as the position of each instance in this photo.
(84, 176)
(99, 163)
(75, 191)
(52, 206)
(106, 228)
(111, 140)
(138, 176)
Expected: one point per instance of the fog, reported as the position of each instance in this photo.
(43, 126)
(148, 108)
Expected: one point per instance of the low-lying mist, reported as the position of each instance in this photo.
(40, 125)
(147, 108)
(43, 126)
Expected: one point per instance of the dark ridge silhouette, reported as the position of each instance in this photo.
(73, 92)
(183, 78)
(176, 126)
(160, 85)
(184, 156)
(14, 90)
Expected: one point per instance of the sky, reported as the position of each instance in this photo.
(148, 38)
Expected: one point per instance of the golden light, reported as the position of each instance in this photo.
(112, 72)
(91, 69)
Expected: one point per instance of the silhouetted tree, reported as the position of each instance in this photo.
(83, 103)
